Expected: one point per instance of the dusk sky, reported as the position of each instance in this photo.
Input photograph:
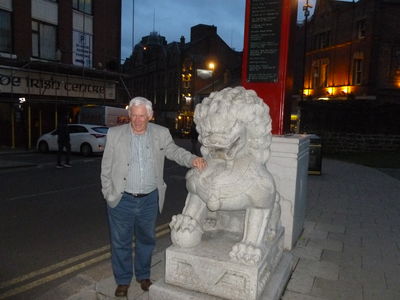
(174, 18)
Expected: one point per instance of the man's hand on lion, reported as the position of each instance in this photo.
(199, 163)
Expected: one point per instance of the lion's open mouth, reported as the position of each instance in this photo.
(224, 151)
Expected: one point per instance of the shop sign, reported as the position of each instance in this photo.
(82, 52)
(47, 84)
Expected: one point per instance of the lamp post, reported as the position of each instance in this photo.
(211, 66)
(306, 10)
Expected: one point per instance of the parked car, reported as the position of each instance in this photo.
(85, 139)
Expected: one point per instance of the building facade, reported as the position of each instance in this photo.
(176, 76)
(353, 51)
(55, 56)
(153, 70)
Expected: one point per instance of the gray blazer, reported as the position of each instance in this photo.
(114, 165)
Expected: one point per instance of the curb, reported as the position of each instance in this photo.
(4, 164)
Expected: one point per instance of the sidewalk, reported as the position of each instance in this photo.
(349, 248)
(5, 163)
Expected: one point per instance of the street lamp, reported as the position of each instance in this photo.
(211, 66)
(306, 10)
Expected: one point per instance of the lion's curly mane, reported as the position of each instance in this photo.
(237, 104)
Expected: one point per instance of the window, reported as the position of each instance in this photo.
(322, 40)
(82, 37)
(320, 70)
(325, 39)
(44, 40)
(101, 129)
(357, 71)
(324, 75)
(361, 29)
(315, 76)
(5, 31)
(76, 129)
(84, 6)
(395, 66)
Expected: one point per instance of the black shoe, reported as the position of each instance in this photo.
(144, 284)
(121, 290)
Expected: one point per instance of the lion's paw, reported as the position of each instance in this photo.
(186, 232)
(214, 203)
(245, 253)
(182, 222)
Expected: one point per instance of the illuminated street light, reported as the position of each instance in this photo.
(211, 66)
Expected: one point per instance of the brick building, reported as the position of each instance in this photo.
(176, 76)
(55, 56)
(353, 50)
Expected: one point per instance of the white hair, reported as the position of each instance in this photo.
(137, 101)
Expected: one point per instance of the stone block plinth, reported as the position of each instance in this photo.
(207, 268)
(288, 165)
(272, 290)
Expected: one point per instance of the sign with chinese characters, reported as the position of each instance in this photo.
(48, 84)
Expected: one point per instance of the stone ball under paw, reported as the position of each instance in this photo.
(186, 239)
(214, 205)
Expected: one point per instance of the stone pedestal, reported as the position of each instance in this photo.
(288, 165)
(272, 291)
(207, 272)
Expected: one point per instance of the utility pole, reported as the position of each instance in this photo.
(133, 25)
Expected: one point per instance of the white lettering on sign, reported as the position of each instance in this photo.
(35, 83)
(82, 49)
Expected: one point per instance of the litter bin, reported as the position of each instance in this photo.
(315, 155)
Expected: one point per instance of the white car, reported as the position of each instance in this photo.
(85, 139)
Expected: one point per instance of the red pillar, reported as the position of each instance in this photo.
(265, 67)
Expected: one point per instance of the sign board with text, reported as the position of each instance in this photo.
(47, 84)
(267, 31)
(263, 41)
(82, 49)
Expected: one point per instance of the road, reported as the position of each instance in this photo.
(52, 219)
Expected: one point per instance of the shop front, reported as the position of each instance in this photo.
(32, 101)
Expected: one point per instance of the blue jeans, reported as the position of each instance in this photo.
(133, 217)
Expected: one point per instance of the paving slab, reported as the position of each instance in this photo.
(337, 289)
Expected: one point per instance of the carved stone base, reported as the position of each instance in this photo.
(272, 291)
(207, 268)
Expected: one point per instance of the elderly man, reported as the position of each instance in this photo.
(133, 186)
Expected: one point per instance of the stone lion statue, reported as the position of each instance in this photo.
(234, 129)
